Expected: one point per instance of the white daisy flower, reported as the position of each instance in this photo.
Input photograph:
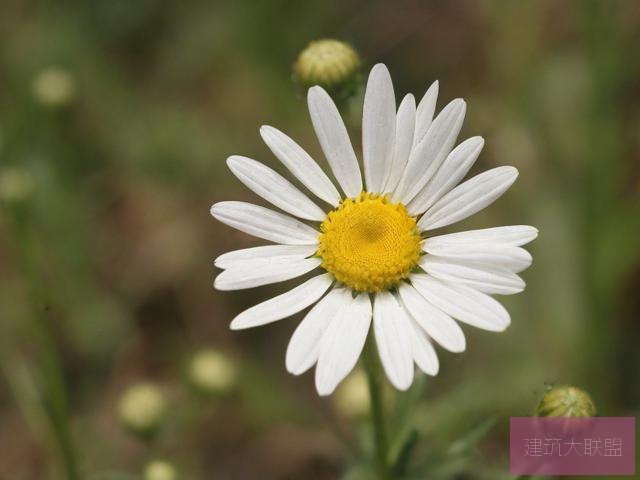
(374, 257)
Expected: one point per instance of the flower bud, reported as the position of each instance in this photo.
(332, 64)
(352, 397)
(16, 184)
(211, 372)
(142, 408)
(54, 87)
(160, 470)
(566, 401)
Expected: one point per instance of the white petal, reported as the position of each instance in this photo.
(304, 346)
(300, 164)
(427, 156)
(378, 128)
(264, 223)
(274, 188)
(512, 235)
(423, 352)
(262, 260)
(454, 168)
(263, 272)
(278, 252)
(284, 305)
(481, 277)
(405, 125)
(334, 141)
(468, 198)
(424, 114)
(440, 326)
(487, 302)
(463, 303)
(514, 259)
(342, 343)
(393, 336)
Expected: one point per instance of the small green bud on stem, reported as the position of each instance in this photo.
(566, 401)
(332, 64)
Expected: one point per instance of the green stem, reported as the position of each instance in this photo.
(374, 376)
(51, 382)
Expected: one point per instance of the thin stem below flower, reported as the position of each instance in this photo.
(374, 376)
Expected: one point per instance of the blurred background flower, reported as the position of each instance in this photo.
(16, 184)
(160, 470)
(142, 408)
(352, 396)
(111, 244)
(53, 87)
(211, 372)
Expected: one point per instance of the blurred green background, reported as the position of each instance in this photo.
(116, 118)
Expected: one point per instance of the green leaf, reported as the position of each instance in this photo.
(472, 438)
(404, 456)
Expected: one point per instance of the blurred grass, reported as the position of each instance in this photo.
(123, 176)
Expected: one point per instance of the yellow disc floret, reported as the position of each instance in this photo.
(369, 243)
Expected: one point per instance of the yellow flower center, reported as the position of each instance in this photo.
(369, 243)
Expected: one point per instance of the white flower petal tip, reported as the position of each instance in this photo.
(284, 305)
(483, 278)
(304, 346)
(426, 109)
(423, 352)
(378, 128)
(274, 188)
(393, 333)
(334, 141)
(510, 236)
(437, 324)
(513, 259)
(342, 344)
(534, 232)
(469, 197)
(453, 169)
(405, 125)
(300, 164)
(264, 223)
(463, 303)
(427, 156)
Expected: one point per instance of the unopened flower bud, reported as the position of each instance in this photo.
(54, 87)
(566, 401)
(160, 470)
(352, 397)
(212, 372)
(16, 184)
(142, 408)
(332, 64)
